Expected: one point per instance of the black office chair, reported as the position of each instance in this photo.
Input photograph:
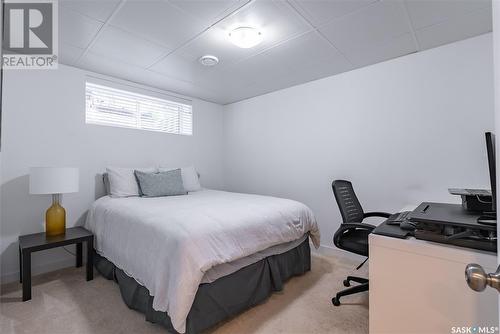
(352, 235)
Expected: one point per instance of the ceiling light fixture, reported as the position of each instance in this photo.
(208, 60)
(245, 37)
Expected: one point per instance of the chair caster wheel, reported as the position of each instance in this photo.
(335, 301)
(347, 283)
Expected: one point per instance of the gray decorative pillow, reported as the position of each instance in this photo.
(167, 183)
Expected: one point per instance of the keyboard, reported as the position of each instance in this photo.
(398, 218)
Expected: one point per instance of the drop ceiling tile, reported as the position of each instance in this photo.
(96, 9)
(184, 68)
(76, 29)
(101, 64)
(68, 54)
(224, 79)
(262, 88)
(158, 21)
(320, 11)
(310, 56)
(369, 26)
(260, 68)
(363, 55)
(111, 67)
(426, 13)
(234, 94)
(470, 25)
(207, 10)
(118, 44)
(276, 20)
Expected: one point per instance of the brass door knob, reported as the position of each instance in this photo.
(478, 279)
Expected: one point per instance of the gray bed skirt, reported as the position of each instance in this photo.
(221, 299)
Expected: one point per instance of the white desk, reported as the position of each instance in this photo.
(418, 286)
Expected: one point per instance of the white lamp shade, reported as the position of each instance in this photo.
(53, 180)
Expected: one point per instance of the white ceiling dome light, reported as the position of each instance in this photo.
(245, 37)
(208, 60)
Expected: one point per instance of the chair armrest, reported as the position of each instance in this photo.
(377, 214)
(363, 226)
(351, 226)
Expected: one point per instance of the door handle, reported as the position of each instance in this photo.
(478, 279)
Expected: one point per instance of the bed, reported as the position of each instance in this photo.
(188, 262)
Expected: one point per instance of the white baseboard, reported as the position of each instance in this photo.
(39, 269)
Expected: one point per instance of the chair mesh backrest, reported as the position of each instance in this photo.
(348, 203)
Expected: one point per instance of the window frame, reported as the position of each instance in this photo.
(146, 93)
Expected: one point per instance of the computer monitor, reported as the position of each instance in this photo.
(490, 148)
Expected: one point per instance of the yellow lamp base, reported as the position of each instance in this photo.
(55, 219)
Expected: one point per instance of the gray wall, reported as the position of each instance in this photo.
(403, 131)
(44, 125)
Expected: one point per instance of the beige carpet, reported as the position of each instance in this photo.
(63, 302)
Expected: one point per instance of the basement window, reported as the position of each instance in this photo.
(122, 108)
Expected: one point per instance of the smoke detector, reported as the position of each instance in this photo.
(208, 60)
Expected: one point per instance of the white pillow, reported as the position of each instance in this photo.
(122, 181)
(190, 178)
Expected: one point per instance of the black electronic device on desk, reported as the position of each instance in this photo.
(396, 226)
(477, 200)
(451, 224)
(482, 200)
(472, 224)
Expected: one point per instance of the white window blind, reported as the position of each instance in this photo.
(116, 107)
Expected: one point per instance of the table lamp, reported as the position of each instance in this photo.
(54, 181)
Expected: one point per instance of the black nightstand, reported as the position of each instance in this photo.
(36, 242)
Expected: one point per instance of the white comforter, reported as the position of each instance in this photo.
(168, 243)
